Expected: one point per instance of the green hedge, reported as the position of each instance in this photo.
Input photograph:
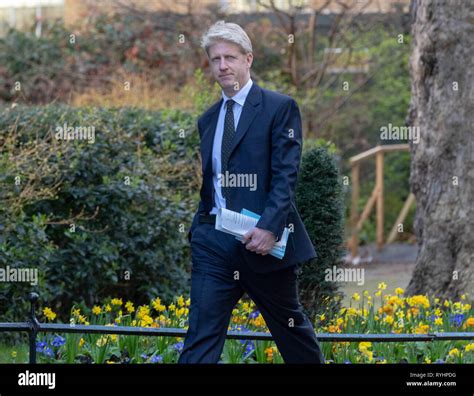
(320, 202)
(124, 228)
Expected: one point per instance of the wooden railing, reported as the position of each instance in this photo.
(376, 198)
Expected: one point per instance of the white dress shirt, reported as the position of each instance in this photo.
(239, 99)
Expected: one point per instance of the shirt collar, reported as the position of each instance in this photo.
(240, 96)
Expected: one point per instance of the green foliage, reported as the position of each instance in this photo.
(202, 93)
(126, 195)
(319, 199)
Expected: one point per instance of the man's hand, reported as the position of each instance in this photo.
(259, 241)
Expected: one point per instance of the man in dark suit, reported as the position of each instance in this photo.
(253, 134)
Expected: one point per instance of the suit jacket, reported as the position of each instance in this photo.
(268, 143)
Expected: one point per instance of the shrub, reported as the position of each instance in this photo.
(319, 199)
(96, 219)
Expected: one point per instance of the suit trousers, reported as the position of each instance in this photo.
(219, 278)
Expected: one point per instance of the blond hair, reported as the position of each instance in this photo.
(226, 31)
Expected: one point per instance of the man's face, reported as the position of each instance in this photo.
(229, 66)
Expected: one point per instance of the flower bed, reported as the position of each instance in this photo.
(396, 314)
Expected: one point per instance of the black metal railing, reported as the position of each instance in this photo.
(33, 327)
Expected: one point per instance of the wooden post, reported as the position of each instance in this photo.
(354, 209)
(401, 217)
(379, 184)
(376, 197)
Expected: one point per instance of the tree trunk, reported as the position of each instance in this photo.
(442, 163)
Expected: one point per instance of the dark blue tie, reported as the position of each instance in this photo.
(229, 131)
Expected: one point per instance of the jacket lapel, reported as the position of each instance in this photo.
(249, 111)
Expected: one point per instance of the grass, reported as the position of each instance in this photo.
(8, 352)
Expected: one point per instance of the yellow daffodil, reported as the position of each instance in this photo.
(96, 310)
(143, 310)
(364, 345)
(116, 301)
(419, 300)
(453, 352)
(421, 329)
(129, 307)
(49, 314)
(101, 341)
(469, 347)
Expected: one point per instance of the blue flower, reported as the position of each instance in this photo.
(157, 359)
(249, 348)
(144, 356)
(178, 346)
(254, 314)
(48, 352)
(347, 362)
(58, 341)
(439, 361)
(40, 345)
(456, 319)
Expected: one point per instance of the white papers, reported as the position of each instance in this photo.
(238, 224)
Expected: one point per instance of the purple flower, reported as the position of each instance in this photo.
(144, 356)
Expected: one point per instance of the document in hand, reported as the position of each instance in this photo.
(239, 224)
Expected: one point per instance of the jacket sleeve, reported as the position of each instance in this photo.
(285, 161)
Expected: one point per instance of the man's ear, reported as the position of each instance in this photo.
(250, 56)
